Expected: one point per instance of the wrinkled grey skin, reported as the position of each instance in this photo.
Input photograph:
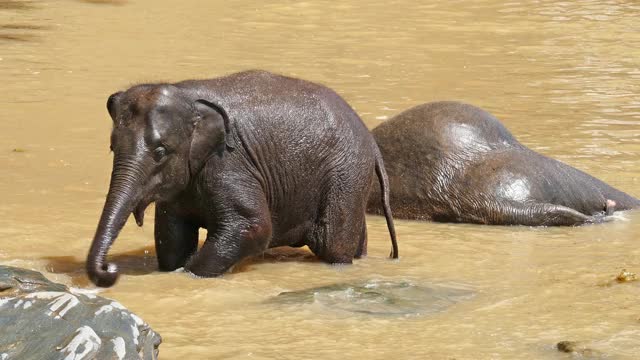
(454, 162)
(40, 319)
(258, 159)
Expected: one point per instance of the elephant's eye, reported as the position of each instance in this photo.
(159, 153)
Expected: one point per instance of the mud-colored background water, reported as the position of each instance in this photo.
(564, 78)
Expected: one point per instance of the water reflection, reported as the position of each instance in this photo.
(20, 32)
(135, 262)
(143, 261)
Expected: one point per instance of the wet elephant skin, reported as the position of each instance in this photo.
(454, 162)
(258, 159)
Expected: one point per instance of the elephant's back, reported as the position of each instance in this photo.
(441, 134)
(269, 103)
(427, 147)
(446, 125)
(301, 137)
(304, 116)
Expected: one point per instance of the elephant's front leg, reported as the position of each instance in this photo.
(176, 238)
(222, 250)
(229, 243)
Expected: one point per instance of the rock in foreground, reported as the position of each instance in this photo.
(40, 319)
(379, 297)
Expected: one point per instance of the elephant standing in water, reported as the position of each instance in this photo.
(454, 162)
(259, 160)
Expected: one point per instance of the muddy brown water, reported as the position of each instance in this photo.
(563, 76)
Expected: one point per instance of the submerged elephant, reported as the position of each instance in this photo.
(454, 162)
(258, 159)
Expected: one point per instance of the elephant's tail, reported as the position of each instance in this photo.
(384, 191)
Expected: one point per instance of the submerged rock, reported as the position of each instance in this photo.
(626, 276)
(40, 319)
(623, 277)
(580, 349)
(375, 297)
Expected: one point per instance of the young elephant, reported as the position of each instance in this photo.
(260, 160)
(454, 162)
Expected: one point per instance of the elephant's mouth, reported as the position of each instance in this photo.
(138, 211)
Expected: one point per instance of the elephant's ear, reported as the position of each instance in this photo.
(211, 131)
(112, 104)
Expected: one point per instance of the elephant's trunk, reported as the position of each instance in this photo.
(121, 200)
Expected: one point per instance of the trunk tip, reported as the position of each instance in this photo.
(103, 276)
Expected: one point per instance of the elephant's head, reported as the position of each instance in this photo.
(161, 138)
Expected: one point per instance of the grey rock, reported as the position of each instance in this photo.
(40, 319)
(380, 298)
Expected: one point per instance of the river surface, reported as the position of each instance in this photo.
(564, 77)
